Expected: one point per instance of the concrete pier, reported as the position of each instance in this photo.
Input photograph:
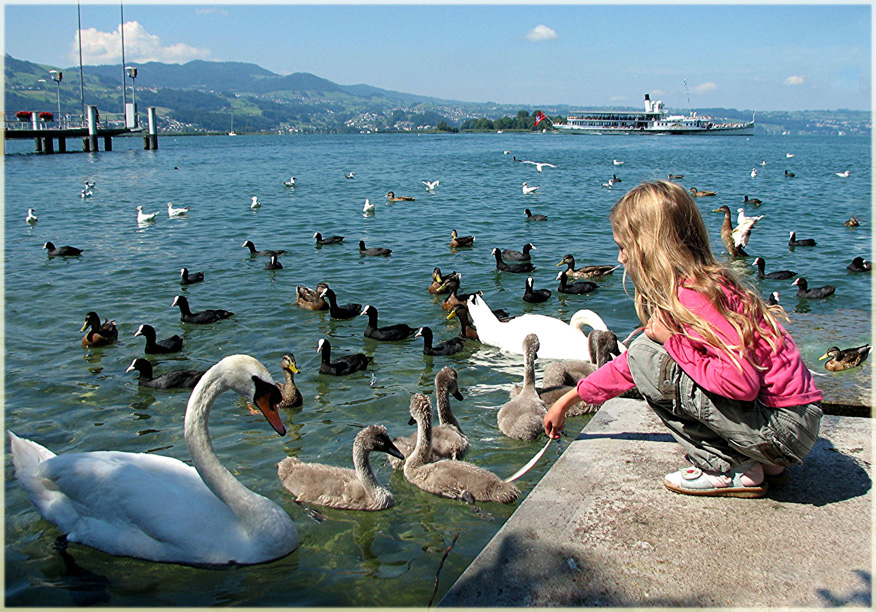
(600, 529)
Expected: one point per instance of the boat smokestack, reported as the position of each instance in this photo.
(648, 106)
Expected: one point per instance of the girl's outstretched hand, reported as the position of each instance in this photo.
(555, 418)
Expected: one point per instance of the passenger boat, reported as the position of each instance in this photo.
(653, 120)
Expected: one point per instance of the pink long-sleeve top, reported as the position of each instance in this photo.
(783, 381)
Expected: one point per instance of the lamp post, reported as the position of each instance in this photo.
(131, 71)
(57, 76)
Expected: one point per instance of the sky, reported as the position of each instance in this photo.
(800, 56)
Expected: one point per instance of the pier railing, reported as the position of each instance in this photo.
(44, 120)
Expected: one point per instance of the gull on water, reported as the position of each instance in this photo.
(290, 182)
(617, 162)
(842, 174)
(430, 185)
(31, 217)
(528, 189)
(349, 176)
(369, 207)
(753, 172)
(255, 203)
(176, 212)
(145, 217)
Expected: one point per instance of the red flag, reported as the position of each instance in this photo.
(539, 116)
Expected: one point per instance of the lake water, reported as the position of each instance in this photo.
(72, 399)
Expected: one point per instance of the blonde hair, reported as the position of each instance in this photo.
(667, 245)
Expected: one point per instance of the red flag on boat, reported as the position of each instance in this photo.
(539, 116)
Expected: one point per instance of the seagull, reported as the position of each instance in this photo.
(753, 172)
(349, 176)
(86, 193)
(789, 155)
(506, 152)
(842, 174)
(369, 207)
(539, 166)
(617, 162)
(763, 163)
(145, 217)
(176, 212)
(31, 218)
(89, 184)
(528, 189)
(290, 182)
(255, 203)
(742, 231)
(609, 184)
(430, 185)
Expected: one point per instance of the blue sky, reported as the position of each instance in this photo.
(745, 56)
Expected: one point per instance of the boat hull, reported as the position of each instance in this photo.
(742, 130)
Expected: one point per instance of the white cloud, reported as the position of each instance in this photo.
(705, 87)
(140, 46)
(541, 32)
(794, 80)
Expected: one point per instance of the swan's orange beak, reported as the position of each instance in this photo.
(268, 398)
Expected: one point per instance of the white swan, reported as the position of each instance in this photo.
(31, 217)
(158, 508)
(255, 203)
(145, 217)
(176, 212)
(559, 340)
(343, 488)
(528, 189)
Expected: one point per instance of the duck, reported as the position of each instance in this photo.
(457, 241)
(343, 488)
(467, 330)
(442, 284)
(253, 252)
(310, 299)
(733, 249)
(448, 439)
(330, 240)
(430, 185)
(98, 334)
(805, 242)
(789, 174)
(172, 344)
(852, 222)
(145, 217)
(676, 177)
(522, 417)
(846, 358)
(345, 311)
(176, 212)
(447, 477)
(206, 516)
(62, 251)
(533, 217)
(274, 264)
(523, 266)
(539, 165)
(859, 264)
(558, 339)
(527, 189)
(368, 207)
(342, 366)
(450, 346)
(760, 264)
(576, 288)
(399, 331)
(744, 225)
(292, 397)
(31, 216)
(773, 299)
(373, 251)
(254, 203)
(200, 317)
(394, 198)
(535, 296)
(844, 174)
(512, 255)
(752, 201)
(290, 182)
(185, 278)
(454, 298)
(696, 193)
(175, 379)
(816, 293)
(595, 271)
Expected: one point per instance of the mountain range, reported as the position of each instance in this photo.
(206, 96)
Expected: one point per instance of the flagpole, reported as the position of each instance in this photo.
(124, 76)
(81, 80)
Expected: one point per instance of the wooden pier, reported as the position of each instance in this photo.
(88, 129)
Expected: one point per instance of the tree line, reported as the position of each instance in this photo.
(523, 121)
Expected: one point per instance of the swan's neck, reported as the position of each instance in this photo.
(445, 414)
(362, 463)
(423, 449)
(529, 370)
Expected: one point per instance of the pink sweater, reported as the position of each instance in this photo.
(784, 381)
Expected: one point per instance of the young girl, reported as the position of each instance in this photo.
(714, 363)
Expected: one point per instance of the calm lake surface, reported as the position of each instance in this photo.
(73, 399)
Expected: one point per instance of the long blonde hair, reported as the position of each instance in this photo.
(667, 245)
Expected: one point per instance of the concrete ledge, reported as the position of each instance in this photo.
(600, 529)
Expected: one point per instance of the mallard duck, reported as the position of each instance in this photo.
(444, 283)
(523, 266)
(454, 298)
(394, 198)
(373, 251)
(522, 417)
(467, 330)
(676, 177)
(859, 264)
(289, 390)
(266, 253)
(846, 358)
(330, 240)
(577, 288)
(535, 296)
(187, 279)
(163, 498)
(852, 222)
(816, 293)
(175, 379)
(201, 317)
(595, 271)
(62, 251)
(805, 242)
(99, 334)
(309, 298)
(512, 255)
(173, 344)
(760, 264)
(527, 189)
(449, 478)
(399, 331)
(696, 193)
(342, 488)
(733, 249)
(346, 311)
(457, 241)
(342, 366)
(532, 217)
(450, 346)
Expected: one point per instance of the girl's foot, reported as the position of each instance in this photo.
(744, 480)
